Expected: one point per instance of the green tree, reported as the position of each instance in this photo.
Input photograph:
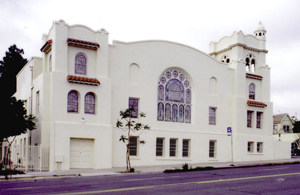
(131, 125)
(11, 64)
(14, 122)
(296, 128)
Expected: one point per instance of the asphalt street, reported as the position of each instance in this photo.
(282, 179)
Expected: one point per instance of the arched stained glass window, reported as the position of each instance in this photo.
(174, 113)
(174, 97)
(72, 101)
(168, 112)
(160, 111)
(181, 114)
(80, 64)
(89, 103)
(161, 91)
(188, 114)
(188, 96)
(252, 91)
(174, 91)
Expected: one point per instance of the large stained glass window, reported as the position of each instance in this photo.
(80, 64)
(174, 97)
(89, 103)
(72, 101)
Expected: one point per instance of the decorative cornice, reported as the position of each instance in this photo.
(47, 47)
(253, 76)
(238, 44)
(256, 104)
(83, 80)
(83, 43)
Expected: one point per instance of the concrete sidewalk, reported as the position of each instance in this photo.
(141, 169)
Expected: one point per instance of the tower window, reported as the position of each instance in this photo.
(225, 59)
(250, 62)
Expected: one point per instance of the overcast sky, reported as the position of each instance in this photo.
(190, 22)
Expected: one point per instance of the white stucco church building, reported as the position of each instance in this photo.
(81, 82)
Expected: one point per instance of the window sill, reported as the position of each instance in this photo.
(135, 158)
(252, 153)
(173, 159)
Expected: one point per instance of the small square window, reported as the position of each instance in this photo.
(133, 146)
(258, 119)
(160, 146)
(173, 147)
(286, 128)
(259, 147)
(134, 103)
(249, 118)
(212, 149)
(212, 116)
(250, 147)
(185, 147)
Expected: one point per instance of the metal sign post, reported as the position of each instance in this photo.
(229, 133)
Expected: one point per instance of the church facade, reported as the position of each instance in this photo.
(81, 82)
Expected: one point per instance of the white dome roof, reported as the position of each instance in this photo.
(260, 27)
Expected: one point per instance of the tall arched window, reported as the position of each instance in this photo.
(252, 91)
(174, 97)
(89, 103)
(80, 64)
(72, 101)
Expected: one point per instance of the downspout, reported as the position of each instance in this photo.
(31, 94)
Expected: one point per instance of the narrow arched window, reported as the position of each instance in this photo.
(80, 64)
(181, 114)
(168, 112)
(160, 111)
(252, 91)
(89, 103)
(174, 113)
(72, 101)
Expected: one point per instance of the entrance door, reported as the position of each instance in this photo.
(81, 153)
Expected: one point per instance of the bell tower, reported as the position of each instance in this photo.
(260, 31)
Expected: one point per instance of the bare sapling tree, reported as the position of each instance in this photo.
(131, 125)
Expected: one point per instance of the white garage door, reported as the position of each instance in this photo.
(81, 153)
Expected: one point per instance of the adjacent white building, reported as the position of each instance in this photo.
(80, 84)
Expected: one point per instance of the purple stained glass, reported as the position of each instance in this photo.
(161, 92)
(72, 101)
(174, 113)
(160, 111)
(188, 114)
(174, 91)
(89, 103)
(168, 112)
(186, 83)
(163, 80)
(80, 64)
(168, 75)
(134, 103)
(181, 77)
(181, 114)
(175, 73)
(188, 99)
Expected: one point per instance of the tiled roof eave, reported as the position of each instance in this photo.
(256, 104)
(253, 76)
(47, 47)
(83, 44)
(83, 80)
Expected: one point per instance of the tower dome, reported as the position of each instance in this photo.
(260, 31)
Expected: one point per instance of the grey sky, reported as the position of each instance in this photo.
(190, 22)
